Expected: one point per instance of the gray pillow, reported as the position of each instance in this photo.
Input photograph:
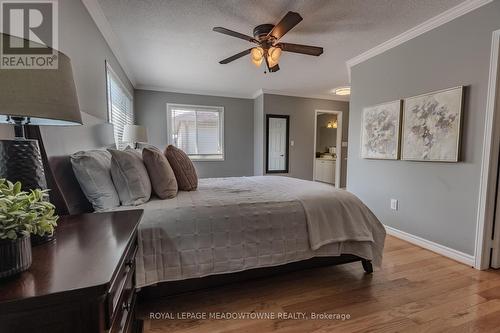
(130, 176)
(93, 171)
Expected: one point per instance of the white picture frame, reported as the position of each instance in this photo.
(380, 131)
(432, 126)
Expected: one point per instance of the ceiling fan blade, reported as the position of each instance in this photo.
(234, 57)
(234, 34)
(303, 49)
(290, 20)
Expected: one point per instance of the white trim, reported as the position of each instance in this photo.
(330, 97)
(102, 23)
(437, 21)
(252, 96)
(338, 160)
(191, 91)
(489, 164)
(110, 70)
(257, 93)
(212, 108)
(434, 247)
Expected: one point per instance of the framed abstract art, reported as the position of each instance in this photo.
(432, 126)
(380, 131)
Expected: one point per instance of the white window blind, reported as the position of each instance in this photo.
(197, 130)
(120, 106)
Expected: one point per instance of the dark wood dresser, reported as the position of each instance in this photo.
(81, 282)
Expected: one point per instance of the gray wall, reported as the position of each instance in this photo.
(438, 201)
(301, 111)
(326, 137)
(258, 136)
(82, 41)
(151, 112)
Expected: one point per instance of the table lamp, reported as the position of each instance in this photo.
(135, 134)
(35, 97)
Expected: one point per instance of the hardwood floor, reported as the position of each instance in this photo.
(415, 290)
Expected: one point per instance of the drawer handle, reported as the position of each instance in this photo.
(126, 306)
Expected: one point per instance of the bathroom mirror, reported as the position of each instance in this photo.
(277, 143)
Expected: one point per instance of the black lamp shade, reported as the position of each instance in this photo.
(20, 160)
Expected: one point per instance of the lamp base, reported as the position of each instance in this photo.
(20, 160)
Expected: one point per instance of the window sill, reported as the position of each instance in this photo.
(208, 158)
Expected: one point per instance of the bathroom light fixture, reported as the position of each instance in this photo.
(332, 124)
(342, 91)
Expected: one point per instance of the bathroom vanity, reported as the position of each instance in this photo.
(324, 170)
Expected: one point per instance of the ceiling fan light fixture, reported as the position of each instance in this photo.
(273, 56)
(257, 55)
(342, 91)
(269, 48)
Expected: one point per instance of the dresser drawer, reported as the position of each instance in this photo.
(120, 294)
(124, 312)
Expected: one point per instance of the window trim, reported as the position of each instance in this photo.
(108, 70)
(211, 108)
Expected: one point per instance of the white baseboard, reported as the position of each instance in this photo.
(464, 258)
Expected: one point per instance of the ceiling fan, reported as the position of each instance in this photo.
(268, 48)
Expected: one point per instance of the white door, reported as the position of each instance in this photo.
(277, 144)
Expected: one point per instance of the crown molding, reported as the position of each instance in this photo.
(192, 91)
(331, 97)
(256, 94)
(437, 21)
(102, 23)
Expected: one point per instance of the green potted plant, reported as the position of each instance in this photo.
(22, 214)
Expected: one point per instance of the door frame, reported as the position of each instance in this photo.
(489, 165)
(338, 161)
(287, 143)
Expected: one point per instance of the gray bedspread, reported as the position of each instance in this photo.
(234, 224)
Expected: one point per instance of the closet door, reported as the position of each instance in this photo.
(277, 137)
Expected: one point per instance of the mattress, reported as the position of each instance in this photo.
(234, 224)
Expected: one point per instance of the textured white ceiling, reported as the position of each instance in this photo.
(170, 45)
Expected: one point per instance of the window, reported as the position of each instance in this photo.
(197, 130)
(120, 105)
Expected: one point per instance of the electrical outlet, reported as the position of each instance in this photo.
(394, 204)
(292, 143)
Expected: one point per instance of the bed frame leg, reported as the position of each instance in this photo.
(367, 266)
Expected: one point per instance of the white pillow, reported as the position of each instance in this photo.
(130, 177)
(93, 171)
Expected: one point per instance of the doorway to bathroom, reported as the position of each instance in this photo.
(327, 159)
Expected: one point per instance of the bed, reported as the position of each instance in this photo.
(235, 224)
(240, 224)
